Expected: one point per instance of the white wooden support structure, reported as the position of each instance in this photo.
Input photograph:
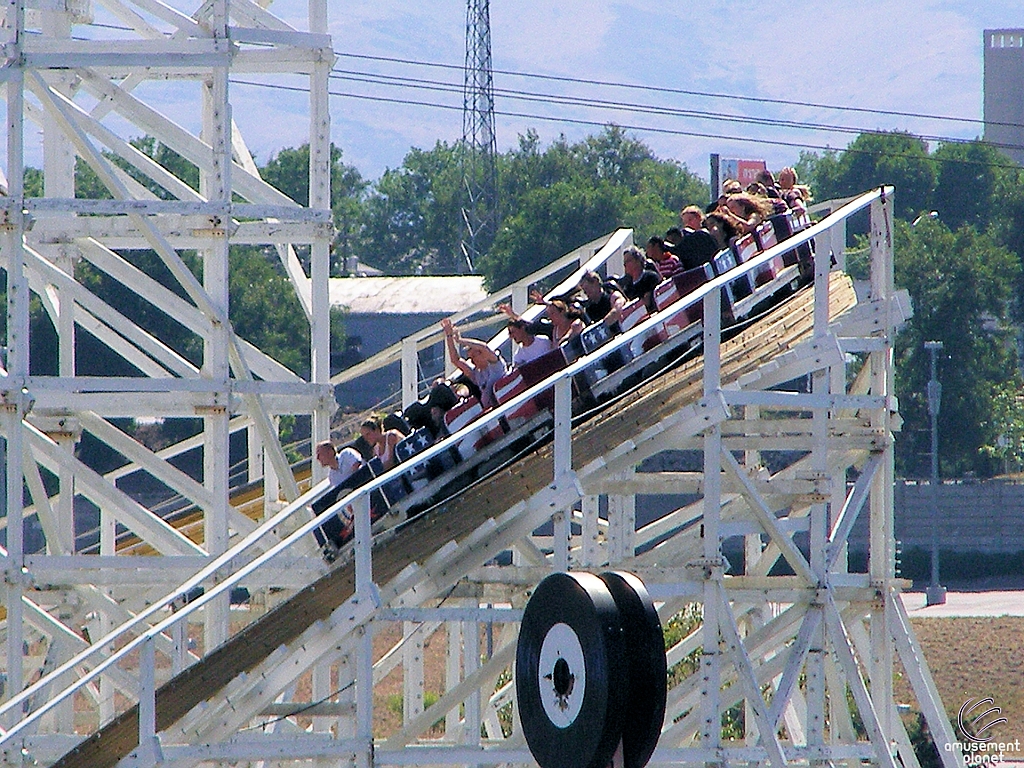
(309, 701)
(86, 91)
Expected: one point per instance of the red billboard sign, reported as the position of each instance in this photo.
(744, 171)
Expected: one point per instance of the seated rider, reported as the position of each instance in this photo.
(745, 211)
(482, 365)
(604, 301)
(429, 414)
(796, 196)
(639, 281)
(530, 345)
(341, 465)
(697, 246)
(560, 323)
(659, 251)
(720, 229)
(382, 441)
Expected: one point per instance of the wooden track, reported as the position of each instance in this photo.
(780, 331)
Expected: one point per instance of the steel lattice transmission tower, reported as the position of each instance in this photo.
(479, 205)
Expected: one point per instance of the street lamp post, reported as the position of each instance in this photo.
(935, 594)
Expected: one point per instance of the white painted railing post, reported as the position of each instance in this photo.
(363, 545)
(614, 264)
(561, 520)
(621, 527)
(520, 303)
(520, 299)
(410, 372)
(822, 268)
(364, 697)
(563, 428)
(710, 660)
(17, 344)
(591, 532)
(882, 564)
(180, 637)
(149, 745)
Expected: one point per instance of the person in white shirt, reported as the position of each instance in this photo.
(340, 467)
(530, 347)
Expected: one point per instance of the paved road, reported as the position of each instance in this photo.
(994, 603)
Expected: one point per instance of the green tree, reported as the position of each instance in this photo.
(965, 182)
(1007, 424)
(615, 157)
(873, 159)
(92, 356)
(821, 172)
(529, 166)
(264, 309)
(288, 171)
(411, 217)
(569, 194)
(960, 283)
(33, 182)
(184, 169)
(545, 221)
(551, 200)
(1007, 225)
(87, 184)
(100, 359)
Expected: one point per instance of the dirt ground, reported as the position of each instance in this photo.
(976, 658)
(387, 708)
(969, 658)
(387, 693)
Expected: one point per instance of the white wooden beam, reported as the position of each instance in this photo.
(133, 515)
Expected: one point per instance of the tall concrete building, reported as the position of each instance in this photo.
(1004, 90)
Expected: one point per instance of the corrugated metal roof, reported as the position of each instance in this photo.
(407, 295)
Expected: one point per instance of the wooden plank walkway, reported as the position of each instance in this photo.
(780, 331)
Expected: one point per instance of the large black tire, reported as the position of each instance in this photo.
(648, 681)
(572, 683)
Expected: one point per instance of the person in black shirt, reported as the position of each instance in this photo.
(604, 301)
(698, 246)
(720, 229)
(639, 281)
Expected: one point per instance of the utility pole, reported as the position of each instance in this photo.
(935, 594)
(716, 180)
(479, 199)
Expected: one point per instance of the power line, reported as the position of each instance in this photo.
(662, 89)
(653, 109)
(685, 92)
(637, 128)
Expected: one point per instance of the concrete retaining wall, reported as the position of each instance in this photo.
(972, 516)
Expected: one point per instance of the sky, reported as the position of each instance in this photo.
(922, 56)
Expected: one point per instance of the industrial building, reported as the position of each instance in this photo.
(1004, 90)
